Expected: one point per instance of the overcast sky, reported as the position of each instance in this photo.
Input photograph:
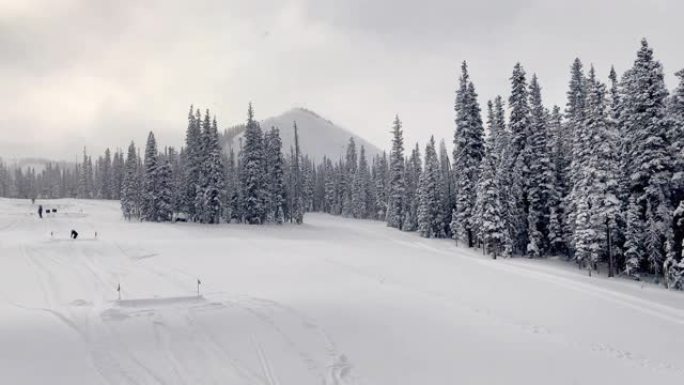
(100, 72)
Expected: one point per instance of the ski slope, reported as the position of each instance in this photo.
(335, 301)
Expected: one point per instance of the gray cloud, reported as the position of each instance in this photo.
(99, 73)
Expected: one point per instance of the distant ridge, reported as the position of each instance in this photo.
(38, 164)
(318, 136)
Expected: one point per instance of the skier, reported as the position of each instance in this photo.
(40, 211)
(74, 234)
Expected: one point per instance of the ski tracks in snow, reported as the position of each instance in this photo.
(266, 368)
(650, 308)
(660, 311)
(192, 344)
(303, 336)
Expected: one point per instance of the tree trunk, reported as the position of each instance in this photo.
(611, 262)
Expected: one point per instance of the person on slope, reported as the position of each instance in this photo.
(40, 211)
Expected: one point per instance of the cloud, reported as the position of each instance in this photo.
(99, 73)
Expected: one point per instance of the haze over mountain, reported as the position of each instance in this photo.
(318, 136)
(37, 164)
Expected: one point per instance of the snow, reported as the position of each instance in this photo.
(318, 137)
(334, 301)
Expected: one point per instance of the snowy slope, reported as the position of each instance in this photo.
(318, 136)
(335, 301)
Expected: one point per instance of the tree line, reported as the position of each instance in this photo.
(202, 183)
(100, 179)
(601, 182)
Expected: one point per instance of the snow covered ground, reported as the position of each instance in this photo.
(335, 301)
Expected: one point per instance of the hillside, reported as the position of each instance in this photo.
(317, 135)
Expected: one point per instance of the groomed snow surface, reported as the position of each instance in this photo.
(335, 301)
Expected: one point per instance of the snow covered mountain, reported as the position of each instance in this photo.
(318, 136)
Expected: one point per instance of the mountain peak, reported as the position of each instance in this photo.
(318, 136)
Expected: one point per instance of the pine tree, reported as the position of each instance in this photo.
(468, 153)
(490, 219)
(105, 185)
(329, 186)
(308, 177)
(677, 149)
(86, 184)
(560, 162)
(653, 240)
(447, 192)
(5, 180)
(634, 252)
(212, 174)
(117, 175)
(600, 179)
(298, 198)
(371, 198)
(319, 187)
(677, 101)
(192, 164)
(350, 165)
(616, 106)
(232, 206)
(515, 214)
(677, 116)
(669, 265)
(506, 179)
(275, 175)
(584, 234)
(646, 131)
(343, 188)
(429, 218)
(131, 185)
(517, 160)
(202, 159)
(361, 198)
(497, 127)
(150, 188)
(252, 180)
(645, 127)
(381, 183)
(340, 183)
(520, 111)
(556, 242)
(578, 147)
(413, 170)
(540, 176)
(141, 176)
(177, 173)
(574, 111)
(396, 194)
(165, 191)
